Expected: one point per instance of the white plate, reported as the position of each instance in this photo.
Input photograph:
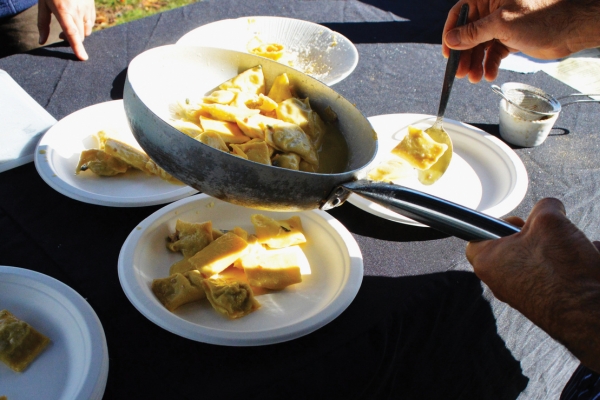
(336, 275)
(74, 366)
(310, 48)
(484, 174)
(57, 155)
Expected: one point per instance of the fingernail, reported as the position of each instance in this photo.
(453, 38)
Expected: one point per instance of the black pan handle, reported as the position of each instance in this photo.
(443, 215)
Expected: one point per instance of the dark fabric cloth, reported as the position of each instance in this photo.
(19, 33)
(416, 329)
(583, 385)
(420, 337)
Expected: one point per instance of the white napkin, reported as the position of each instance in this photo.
(22, 123)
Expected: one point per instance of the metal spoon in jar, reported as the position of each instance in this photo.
(437, 132)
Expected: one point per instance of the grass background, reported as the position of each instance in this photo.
(114, 12)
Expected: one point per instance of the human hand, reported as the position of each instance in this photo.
(550, 272)
(76, 18)
(544, 29)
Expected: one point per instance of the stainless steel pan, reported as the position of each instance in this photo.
(159, 77)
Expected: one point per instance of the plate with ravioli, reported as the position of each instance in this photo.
(61, 333)
(219, 273)
(484, 174)
(92, 156)
(306, 46)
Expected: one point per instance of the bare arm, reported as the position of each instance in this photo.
(550, 272)
(76, 18)
(545, 29)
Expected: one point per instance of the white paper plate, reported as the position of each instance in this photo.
(311, 48)
(74, 366)
(57, 155)
(484, 174)
(336, 275)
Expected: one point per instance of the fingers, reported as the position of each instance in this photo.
(494, 55)
(76, 18)
(472, 34)
(71, 31)
(44, 15)
(450, 23)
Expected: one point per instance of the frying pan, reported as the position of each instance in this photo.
(159, 77)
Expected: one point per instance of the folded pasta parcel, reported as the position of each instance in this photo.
(219, 254)
(278, 233)
(419, 149)
(20, 343)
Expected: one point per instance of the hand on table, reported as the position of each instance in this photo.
(550, 272)
(544, 29)
(76, 17)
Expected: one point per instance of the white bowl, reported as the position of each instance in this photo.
(310, 48)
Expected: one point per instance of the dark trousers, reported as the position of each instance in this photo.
(19, 33)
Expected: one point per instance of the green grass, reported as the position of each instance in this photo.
(115, 12)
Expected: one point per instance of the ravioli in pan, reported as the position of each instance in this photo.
(271, 127)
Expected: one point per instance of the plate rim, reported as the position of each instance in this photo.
(329, 82)
(344, 297)
(49, 174)
(95, 384)
(520, 181)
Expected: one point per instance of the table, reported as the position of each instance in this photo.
(439, 333)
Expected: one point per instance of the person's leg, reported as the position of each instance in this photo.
(20, 32)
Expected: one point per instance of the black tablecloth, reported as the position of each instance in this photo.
(421, 326)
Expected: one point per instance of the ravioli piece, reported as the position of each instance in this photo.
(187, 110)
(275, 269)
(219, 254)
(251, 80)
(300, 113)
(220, 96)
(419, 149)
(307, 167)
(255, 126)
(290, 138)
(136, 158)
(214, 140)
(278, 233)
(190, 237)
(255, 150)
(191, 129)
(289, 161)
(20, 343)
(229, 131)
(100, 163)
(281, 89)
(232, 299)
(273, 51)
(181, 266)
(229, 113)
(179, 289)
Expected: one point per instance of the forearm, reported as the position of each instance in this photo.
(584, 29)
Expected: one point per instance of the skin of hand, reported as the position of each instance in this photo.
(544, 29)
(550, 272)
(76, 18)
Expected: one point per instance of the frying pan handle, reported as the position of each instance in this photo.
(440, 214)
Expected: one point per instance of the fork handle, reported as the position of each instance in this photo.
(451, 66)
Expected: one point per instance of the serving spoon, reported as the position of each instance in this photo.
(437, 132)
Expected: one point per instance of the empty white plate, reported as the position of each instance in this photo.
(310, 48)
